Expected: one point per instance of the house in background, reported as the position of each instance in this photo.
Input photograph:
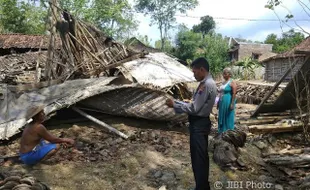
(276, 66)
(240, 50)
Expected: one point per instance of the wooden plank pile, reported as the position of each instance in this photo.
(250, 93)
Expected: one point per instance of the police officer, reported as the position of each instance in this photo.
(198, 111)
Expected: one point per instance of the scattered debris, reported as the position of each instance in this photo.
(25, 182)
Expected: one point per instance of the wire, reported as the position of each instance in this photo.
(232, 18)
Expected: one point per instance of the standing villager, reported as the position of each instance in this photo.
(227, 102)
(198, 111)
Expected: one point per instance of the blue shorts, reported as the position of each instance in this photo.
(37, 154)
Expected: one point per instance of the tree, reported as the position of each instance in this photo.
(248, 66)
(288, 40)
(22, 17)
(207, 24)
(162, 13)
(167, 47)
(114, 17)
(214, 47)
(145, 40)
(187, 43)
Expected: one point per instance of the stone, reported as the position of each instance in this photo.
(104, 153)
(162, 188)
(168, 177)
(158, 174)
(260, 144)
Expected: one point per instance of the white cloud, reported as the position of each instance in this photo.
(251, 9)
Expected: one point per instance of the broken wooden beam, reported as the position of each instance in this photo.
(275, 128)
(100, 122)
(288, 71)
(290, 161)
(258, 122)
(288, 152)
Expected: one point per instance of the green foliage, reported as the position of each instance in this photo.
(145, 40)
(288, 40)
(114, 17)
(214, 47)
(22, 17)
(191, 45)
(167, 47)
(207, 24)
(248, 66)
(187, 43)
(162, 13)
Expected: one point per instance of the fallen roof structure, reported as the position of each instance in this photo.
(296, 91)
(130, 83)
(101, 93)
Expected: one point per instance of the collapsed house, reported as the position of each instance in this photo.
(276, 66)
(89, 70)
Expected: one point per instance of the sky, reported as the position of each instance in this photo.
(249, 9)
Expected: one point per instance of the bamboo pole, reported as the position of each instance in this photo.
(100, 122)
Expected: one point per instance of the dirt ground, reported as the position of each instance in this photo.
(154, 157)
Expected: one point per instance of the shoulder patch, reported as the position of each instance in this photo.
(201, 89)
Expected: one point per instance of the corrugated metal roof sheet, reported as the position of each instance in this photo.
(157, 69)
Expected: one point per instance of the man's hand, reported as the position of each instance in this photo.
(187, 100)
(68, 141)
(169, 103)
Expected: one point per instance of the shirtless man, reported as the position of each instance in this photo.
(33, 147)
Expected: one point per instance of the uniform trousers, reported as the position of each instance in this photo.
(199, 128)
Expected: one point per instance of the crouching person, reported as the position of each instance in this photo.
(33, 145)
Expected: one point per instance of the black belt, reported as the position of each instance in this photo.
(195, 117)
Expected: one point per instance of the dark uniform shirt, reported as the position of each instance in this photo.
(203, 99)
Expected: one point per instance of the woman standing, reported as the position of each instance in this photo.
(227, 102)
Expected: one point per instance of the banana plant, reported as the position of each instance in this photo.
(248, 66)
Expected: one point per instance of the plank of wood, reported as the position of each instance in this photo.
(275, 128)
(288, 152)
(258, 122)
(100, 122)
(274, 88)
(291, 161)
(276, 117)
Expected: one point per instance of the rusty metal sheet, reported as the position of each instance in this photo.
(137, 102)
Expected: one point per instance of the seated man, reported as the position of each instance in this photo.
(33, 147)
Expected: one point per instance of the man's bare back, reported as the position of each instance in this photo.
(30, 138)
(33, 148)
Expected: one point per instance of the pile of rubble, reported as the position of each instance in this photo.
(250, 93)
(25, 182)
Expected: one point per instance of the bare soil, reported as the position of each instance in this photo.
(154, 156)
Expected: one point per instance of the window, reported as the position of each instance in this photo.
(255, 56)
